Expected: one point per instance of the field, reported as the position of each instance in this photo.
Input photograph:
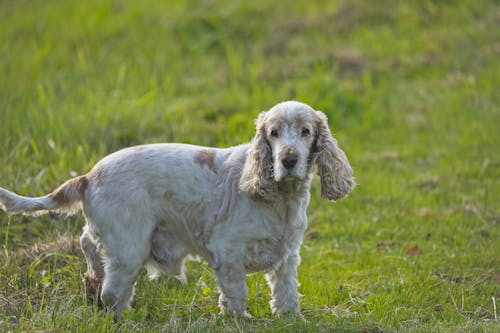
(412, 92)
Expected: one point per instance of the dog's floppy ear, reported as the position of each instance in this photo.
(257, 175)
(333, 167)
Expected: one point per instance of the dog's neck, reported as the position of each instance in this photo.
(286, 189)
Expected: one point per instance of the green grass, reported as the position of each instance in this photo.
(412, 92)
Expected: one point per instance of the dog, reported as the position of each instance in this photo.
(241, 209)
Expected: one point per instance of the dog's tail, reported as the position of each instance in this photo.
(65, 199)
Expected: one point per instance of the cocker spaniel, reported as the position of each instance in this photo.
(240, 209)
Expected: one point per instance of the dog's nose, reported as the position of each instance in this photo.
(289, 161)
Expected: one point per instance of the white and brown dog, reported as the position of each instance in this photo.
(241, 209)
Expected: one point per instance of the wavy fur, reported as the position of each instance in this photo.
(333, 167)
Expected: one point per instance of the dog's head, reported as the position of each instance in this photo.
(290, 139)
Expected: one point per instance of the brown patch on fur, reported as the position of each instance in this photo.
(206, 157)
(96, 176)
(59, 196)
(301, 123)
(81, 184)
(62, 195)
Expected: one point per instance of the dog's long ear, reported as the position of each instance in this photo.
(333, 167)
(257, 175)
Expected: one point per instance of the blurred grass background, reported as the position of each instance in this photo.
(411, 91)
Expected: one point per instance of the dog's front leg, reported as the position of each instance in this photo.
(231, 278)
(283, 283)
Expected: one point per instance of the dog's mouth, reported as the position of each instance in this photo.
(288, 175)
(289, 178)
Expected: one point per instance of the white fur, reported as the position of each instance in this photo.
(156, 204)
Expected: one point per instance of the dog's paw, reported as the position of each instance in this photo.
(92, 289)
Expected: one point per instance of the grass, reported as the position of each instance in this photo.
(411, 90)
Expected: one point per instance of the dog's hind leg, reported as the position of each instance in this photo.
(122, 267)
(123, 262)
(95, 269)
(124, 246)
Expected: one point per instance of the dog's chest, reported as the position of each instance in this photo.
(282, 236)
(265, 254)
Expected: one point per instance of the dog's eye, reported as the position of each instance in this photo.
(305, 132)
(274, 133)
